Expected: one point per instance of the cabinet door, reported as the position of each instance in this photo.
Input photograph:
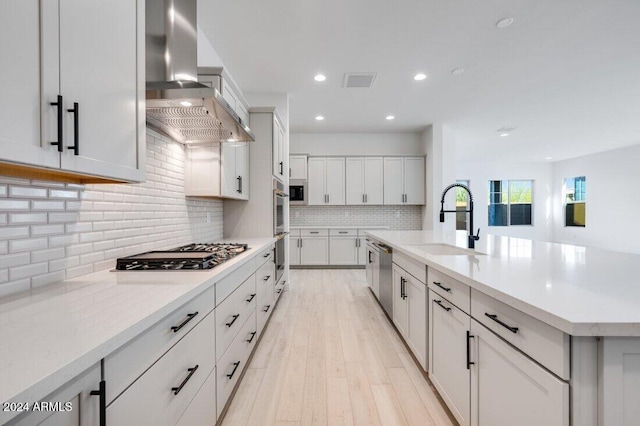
(355, 178)
(369, 266)
(507, 388)
(448, 356)
(202, 170)
(20, 136)
(282, 158)
(334, 178)
(417, 300)
(298, 167)
(343, 251)
(229, 95)
(314, 251)
(400, 305)
(278, 149)
(229, 183)
(242, 171)
(294, 250)
(373, 180)
(202, 409)
(393, 180)
(102, 70)
(414, 180)
(362, 251)
(375, 266)
(316, 181)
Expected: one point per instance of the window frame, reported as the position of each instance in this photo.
(508, 200)
(583, 201)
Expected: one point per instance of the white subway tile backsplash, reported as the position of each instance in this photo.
(14, 287)
(80, 270)
(22, 218)
(63, 217)
(4, 275)
(7, 204)
(27, 192)
(47, 254)
(3, 218)
(61, 193)
(63, 240)
(27, 245)
(38, 230)
(14, 232)
(25, 271)
(11, 260)
(4, 247)
(76, 249)
(395, 217)
(47, 205)
(49, 278)
(62, 264)
(3, 190)
(86, 259)
(78, 227)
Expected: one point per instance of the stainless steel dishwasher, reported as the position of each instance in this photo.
(379, 274)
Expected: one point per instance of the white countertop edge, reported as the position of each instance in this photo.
(363, 227)
(47, 385)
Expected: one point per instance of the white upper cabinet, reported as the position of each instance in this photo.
(298, 167)
(404, 180)
(220, 172)
(279, 164)
(89, 55)
(364, 180)
(234, 172)
(326, 181)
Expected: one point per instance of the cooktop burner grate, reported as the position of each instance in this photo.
(196, 256)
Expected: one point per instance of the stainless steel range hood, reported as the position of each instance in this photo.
(177, 105)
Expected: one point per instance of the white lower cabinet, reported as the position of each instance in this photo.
(294, 248)
(410, 311)
(202, 409)
(343, 250)
(508, 388)
(314, 250)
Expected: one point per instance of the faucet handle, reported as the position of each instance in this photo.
(477, 236)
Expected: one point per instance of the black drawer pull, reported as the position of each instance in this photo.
(494, 317)
(279, 290)
(343, 232)
(177, 328)
(251, 298)
(76, 127)
(102, 393)
(253, 334)
(314, 232)
(267, 308)
(442, 287)
(235, 317)
(266, 255)
(266, 278)
(439, 302)
(235, 367)
(186, 379)
(59, 106)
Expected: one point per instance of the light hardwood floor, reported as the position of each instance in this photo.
(329, 357)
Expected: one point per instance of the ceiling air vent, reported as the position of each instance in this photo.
(359, 79)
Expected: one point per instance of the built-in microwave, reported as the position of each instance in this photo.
(298, 192)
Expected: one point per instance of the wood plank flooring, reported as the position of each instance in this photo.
(330, 357)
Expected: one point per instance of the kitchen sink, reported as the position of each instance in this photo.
(445, 250)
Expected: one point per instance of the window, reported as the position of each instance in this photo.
(575, 205)
(461, 205)
(510, 202)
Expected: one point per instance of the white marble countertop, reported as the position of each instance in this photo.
(583, 291)
(364, 227)
(50, 336)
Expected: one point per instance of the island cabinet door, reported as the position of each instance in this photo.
(508, 388)
(400, 304)
(416, 293)
(448, 363)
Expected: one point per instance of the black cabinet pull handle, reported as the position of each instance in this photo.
(366, 198)
(281, 168)
(253, 334)
(314, 232)
(494, 317)
(266, 255)
(186, 379)
(402, 292)
(102, 393)
(370, 257)
(235, 317)
(442, 287)
(469, 363)
(177, 328)
(76, 126)
(235, 367)
(363, 198)
(267, 308)
(266, 278)
(59, 106)
(279, 290)
(239, 190)
(343, 232)
(439, 302)
(251, 298)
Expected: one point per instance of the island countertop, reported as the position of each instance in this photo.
(583, 291)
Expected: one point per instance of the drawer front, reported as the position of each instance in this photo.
(264, 278)
(152, 399)
(125, 365)
(343, 232)
(451, 289)
(278, 290)
(228, 284)
(233, 313)
(412, 266)
(542, 342)
(265, 255)
(202, 409)
(234, 361)
(294, 232)
(314, 232)
(265, 307)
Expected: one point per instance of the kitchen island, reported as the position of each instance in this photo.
(573, 312)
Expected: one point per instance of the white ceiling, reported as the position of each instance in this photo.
(565, 75)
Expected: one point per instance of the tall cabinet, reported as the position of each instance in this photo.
(75, 110)
(326, 181)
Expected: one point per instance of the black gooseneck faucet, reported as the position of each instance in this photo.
(472, 238)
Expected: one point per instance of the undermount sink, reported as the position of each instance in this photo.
(445, 250)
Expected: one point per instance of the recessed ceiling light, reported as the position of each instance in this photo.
(186, 103)
(548, 158)
(419, 77)
(390, 117)
(504, 23)
(504, 134)
(505, 131)
(320, 77)
(319, 118)
(457, 71)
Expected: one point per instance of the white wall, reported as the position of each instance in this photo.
(356, 144)
(439, 142)
(480, 172)
(613, 203)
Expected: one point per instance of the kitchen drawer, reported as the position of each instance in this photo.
(233, 313)
(234, 361)
(264, 280)
(265, 255)
(126, 364)
(412, 266)
(453, 290)
(265, 308)
(542, 342)
(294, 233)
(152, 399)
(228, 284)
(202, 409)
(314, 232)
(343, 232)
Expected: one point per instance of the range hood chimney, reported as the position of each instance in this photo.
(177, 105)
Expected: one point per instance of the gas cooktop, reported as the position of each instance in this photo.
(197, 256)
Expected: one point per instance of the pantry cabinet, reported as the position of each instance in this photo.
(404, 180)
(326, 181)
(76, 110)
(364, 180)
